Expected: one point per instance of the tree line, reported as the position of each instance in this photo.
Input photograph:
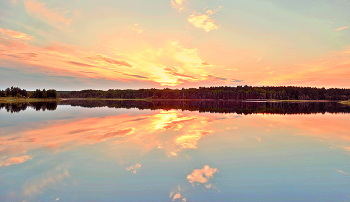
(221, 106)
(222, 92)
(17, 107)
(212, 106)
(22, 93)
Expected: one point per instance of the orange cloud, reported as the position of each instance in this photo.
(109, 60)
(170, 65)
(176, 196)
(190, 139)
(66, 134)
(203, 21)
(16, 34)
(15, 160)
(314, 73)
(56, 17)
(118, 133)
(341, 28)
(315, 126)
(201, 175)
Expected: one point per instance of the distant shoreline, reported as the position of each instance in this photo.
(27, 100)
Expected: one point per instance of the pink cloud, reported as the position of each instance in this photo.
(108, 135)
(201, 175)
(15, 160)
(16, 34)
(51, 16)
(62, 135)
(109, 60)
(341, 28)
(329, 70)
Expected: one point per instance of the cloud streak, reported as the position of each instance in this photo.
(15, 160)
(109, 60)
(341, 29)
(56, 17)
(341, 172)
(79, 64)
(41, 183)
(113, 134)
(16, 34)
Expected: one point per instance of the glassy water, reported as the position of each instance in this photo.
(171, 151)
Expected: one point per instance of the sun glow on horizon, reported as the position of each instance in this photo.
(182, 44)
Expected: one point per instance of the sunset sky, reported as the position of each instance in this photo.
(113, 44)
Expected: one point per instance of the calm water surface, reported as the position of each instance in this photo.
(166, 151)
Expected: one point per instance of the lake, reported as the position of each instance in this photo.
(174, 151)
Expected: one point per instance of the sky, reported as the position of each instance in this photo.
(114, 44)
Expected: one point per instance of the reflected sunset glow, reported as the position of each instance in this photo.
(187, 154)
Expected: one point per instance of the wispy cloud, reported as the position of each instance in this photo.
(112, 134)
(341, 172)
(16, 34)
(39, 184)
(135, 75)
(56, 17)
(178, 4)
(236, 81)
(135, 28)
(203, 21)
(212, 77)
(109, 60)
(15, 160)
(23, 56)
(258, 138)
(79, 64)
(341, 28)
(315, 72)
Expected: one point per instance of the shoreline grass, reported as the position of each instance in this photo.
(345, 102)
(112, 99)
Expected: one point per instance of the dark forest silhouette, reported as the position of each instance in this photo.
(212, 106)
(224, 92)
(17, 107)
(219, 106)
(20, 93)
